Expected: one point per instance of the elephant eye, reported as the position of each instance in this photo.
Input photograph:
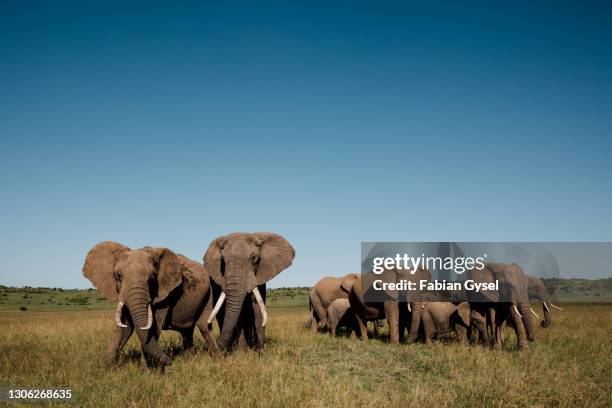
(255, 259)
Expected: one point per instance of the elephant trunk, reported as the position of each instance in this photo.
(415, 321)
(236, 292)
(360, 308)
(547, 320)
(141, 313)
(525, 310)
(138, 305)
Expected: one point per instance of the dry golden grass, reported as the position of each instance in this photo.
(569, 365)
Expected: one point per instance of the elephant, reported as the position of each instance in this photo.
(537, 291)
(339, 314)
(402, 310)
(509, 303)
(442, 317)
(154, 289)
(239, 265)
(324, 293)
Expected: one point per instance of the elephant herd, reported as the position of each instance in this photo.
(157, 289)
(415, 315)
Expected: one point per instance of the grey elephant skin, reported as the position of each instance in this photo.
(324, 293)
(154, 289)
(240, 264)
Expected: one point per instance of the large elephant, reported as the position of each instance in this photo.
(403, 310)
(154, 289)
(324, 293)
(509, 303)
(537, 291)
(240, 264)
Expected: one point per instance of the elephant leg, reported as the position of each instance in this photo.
(392, 313)
(204, 328)
(246, 339)
(314, 322)
(498, 329)
(318, 308)
(428, 331)
(258, 330)
(332, 323)
(363, 328)
(492, 327)
(187, 335)
(354, 327)
(121, 335)
(403, 321)
(519, 329)
(143, 365)
(251, 323)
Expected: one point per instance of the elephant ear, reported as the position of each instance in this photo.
(463, 310)
(213, 260)
(169, 272)
(347, 282)
(276, 255)
(99, 267)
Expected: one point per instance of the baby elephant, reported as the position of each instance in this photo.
(339, 314)
(442, 317)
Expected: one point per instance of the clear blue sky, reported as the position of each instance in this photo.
(330, 124)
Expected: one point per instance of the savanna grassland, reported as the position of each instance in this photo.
(570, 364)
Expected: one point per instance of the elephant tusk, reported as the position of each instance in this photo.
(534, 313)
(217, 307)
(556, 307)
(409, 309)
(517, 311)
(149, 318)
(262, 306)
(118, 313)
(546, 306)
